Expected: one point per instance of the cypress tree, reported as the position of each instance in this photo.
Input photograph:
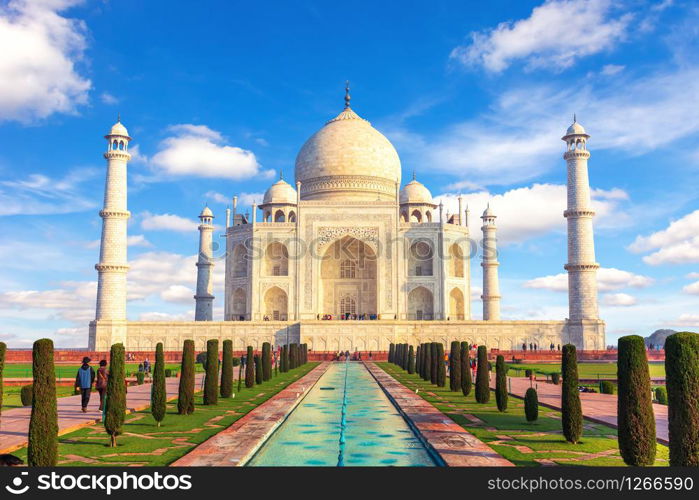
(295, 350)
(411, 360)
(406, 355)
(682, 380)
(227, 369)
(185, 398)
(115, 405)
(158, 394)
(482, 378)
(240, 373)
(3, 350)
(266, 361)
(434, 371)
(571, 418)
(531, 405)
(258, 369)
(250, 369)
(635, 418)
(211, 376)
(466, 382)
(397, 355)
(418, 359)
(391, 349)
(455, 366)
(292, 356)
(427, 362)
(501, 383)
(441, 366)
(43, 424)
(287, 366)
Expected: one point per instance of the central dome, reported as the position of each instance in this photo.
(348, 159)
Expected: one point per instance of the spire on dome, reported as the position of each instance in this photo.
(281, 174)
(575, 118)
(119, 117)
(347, 95)
(414, 174)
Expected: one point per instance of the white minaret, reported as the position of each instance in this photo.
(491, 282)
(113, 264)
(581, 266)
(204, 298)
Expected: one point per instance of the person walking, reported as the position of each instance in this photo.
(84, 380)
(101, 384)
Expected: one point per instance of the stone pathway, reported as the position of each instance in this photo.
(235, 445)
(601, 408)
(14, 424)
(456, 446)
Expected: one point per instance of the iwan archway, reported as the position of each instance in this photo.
(348, 285)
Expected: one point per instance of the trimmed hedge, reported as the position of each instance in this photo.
(482, 379)
(556, 378)
(661, 395)
(427, 363)
(211, 376)
(501, 383)
(158, 395)
(455, 366)
(140, 378)
(411, 360)
(635, 418)
(267, 361)
(466, 382)
(26, 393)
(185, 394)
(571, 410)
(441, 366)
(258, 369)
(115, 402)
(682, 379)
(42, 450)
(531, 405)
(606, 387)
(226, 387)
(250, 368)
(391, 353)
(434, 373)
(528, 373)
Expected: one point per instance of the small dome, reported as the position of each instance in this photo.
(415, 192)
(206, 212)
(576, 129)
(119, 129)
(488, 212)
(280, 192)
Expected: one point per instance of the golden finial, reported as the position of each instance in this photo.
(347, 95)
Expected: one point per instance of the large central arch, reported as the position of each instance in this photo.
(348, 278)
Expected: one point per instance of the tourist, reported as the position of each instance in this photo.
(101, 384)
(524, 346)
(7, 460)
(84, 380)
(369, 355)
(146, 366)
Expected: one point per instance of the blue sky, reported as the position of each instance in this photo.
(475, 98)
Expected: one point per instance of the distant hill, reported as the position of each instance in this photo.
(657, 338)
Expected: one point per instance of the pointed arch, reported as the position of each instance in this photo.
(276, 304)
(239, 305)
(420, 259)
(240, 261)
(416, 216)
(279, 216)
(456, 304)
(420, 304)
(456, 261)
(276, 259)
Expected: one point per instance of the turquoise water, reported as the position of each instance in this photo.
(366, 430)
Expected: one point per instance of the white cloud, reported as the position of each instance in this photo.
(608, 279)
(108, 99)
(178, 294)
(218, 197)
(39, 194)
(676, 244)
(74, 301)
(138, 240)
(197, 150)
(168, 222)
(612, 69)
(692, 288)
(529, 212)
(687, 319)
(38, 75)
(618, 300)
(161, 316)
(555, 35)
(519, 137)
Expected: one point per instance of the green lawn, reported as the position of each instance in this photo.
(585, 370)
(24, 370)
(509, 433)
(11, 398)
(143, 443)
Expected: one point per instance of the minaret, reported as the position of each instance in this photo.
(204, 298)
(581, 266)
(491, 282)
(113, 264)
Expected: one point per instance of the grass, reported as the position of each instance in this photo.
(585, 370)
(11, 397)
(509, 433)
(24, 370)
(144, 444)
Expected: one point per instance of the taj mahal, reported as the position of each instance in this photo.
(348, 258)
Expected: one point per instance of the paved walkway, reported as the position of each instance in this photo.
(456, 446)
(235, 445)
(597, 407)
(14, 424)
